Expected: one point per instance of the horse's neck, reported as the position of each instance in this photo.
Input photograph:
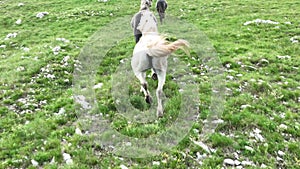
(150, 30)
(144, 7)
(150, 33)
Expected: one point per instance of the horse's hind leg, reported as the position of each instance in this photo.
(153, 74)
(148, 98)
(161, 75)
(144, 88)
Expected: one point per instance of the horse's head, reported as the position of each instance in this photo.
(148, 22)
(146, 4)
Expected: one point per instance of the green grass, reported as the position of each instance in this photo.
(31, 127)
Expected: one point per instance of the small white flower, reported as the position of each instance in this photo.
(98, 86)
(249, 148)
(295, 39)
(50, 76)
(260, 21)
(283, 126)
(281, 153)
(61, 111)
(237, 162)
(43, 102)
(3, 46)
(21, 4)
(256, 130)
(284, 57)
(229, 161)
(128, 144)
(155, 163)
(67, 158)
(56, 49)
(282, 115)
(122, 61)
(26, 49)
(66, 58)
(263, 166)
(34, 163)
(21, 68)
(279, 158)
(245, 106)
(199, 156)
(19, 21)
(230, 77)
(247, 163)
(123, 167)
(260, 137)
(256, 134)
(41, 14)
(217, 121)
(69, 162)
(63, 40)
(78, 131)
(11, 35)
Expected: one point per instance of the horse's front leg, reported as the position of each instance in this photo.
(161, 75)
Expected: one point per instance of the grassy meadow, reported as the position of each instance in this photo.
(257, 43)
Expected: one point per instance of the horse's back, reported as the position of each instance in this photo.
(141, 59)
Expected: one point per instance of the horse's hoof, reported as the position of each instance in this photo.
(159, 114)
(148, 99)
(154, 76)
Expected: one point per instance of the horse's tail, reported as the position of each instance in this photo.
(164, 49)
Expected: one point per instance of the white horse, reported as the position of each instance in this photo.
(135, 21)
(152, 52)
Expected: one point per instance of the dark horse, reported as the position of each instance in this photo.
(161, 6)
